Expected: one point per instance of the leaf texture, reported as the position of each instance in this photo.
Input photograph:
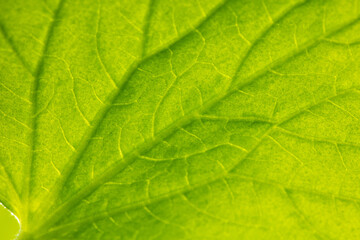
(181, 119)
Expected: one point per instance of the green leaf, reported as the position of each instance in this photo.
(182, 119)
(9, 226)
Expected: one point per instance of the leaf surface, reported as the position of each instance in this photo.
(156, 119)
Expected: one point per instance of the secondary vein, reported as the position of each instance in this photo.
(34, 117)
(100, 116)
(193, 187)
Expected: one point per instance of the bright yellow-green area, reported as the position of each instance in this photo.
(181, 119)
(9, 226)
